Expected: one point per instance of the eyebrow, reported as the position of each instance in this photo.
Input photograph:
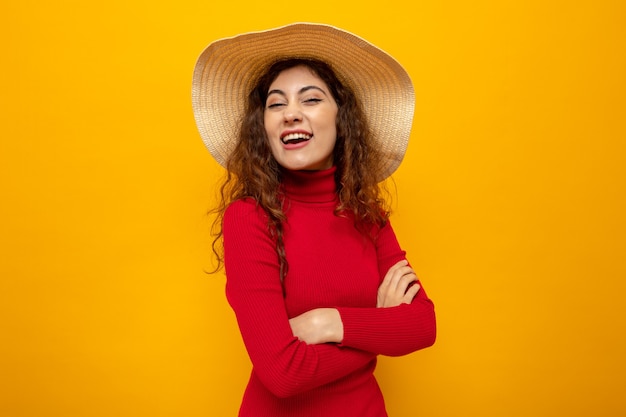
(301, 91)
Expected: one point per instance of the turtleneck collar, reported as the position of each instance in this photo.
(310, 186)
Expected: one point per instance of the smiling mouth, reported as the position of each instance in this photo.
(294, 138)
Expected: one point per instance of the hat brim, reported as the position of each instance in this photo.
(227, 69)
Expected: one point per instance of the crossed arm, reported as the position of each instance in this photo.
(324, 325)
(293, 355)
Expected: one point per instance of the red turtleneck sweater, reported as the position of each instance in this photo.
(331, 264)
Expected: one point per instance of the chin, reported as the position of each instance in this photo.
(307, 167)
(305, 164)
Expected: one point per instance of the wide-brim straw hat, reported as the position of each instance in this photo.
(227, 70)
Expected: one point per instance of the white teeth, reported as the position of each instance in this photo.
(296, 136)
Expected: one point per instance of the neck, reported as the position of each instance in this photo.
(310, 186)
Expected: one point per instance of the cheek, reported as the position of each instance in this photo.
(266, 123)
(333, 124)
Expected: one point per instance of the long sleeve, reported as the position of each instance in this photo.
(283, 364)
(392, 331)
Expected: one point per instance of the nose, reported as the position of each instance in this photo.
(292, 114)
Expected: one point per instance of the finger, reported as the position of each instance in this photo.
(392, 273)
(407, 280)
(398, 265)
(402, 278)
(411, 293)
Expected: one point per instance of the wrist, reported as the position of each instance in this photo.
(333, 326)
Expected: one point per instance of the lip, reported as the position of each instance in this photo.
(297, 144)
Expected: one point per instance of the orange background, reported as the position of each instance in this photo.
(511, 205)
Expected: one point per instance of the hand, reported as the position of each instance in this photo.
(396, 287)
(320, 325)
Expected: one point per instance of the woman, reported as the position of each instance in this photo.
(308, 119)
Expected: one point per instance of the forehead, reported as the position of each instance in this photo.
(296, 77)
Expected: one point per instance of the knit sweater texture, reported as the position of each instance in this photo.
(331, 264)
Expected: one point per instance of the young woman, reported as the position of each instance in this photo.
(308, 119)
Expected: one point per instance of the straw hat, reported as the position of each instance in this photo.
(228, 68)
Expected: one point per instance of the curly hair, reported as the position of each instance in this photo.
(252, 171)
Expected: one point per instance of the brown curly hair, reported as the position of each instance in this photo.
(252, 171)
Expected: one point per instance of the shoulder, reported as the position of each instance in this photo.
(384, 233)
(244, 205)
(245, 221)
(245, 211)
(375, 230)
